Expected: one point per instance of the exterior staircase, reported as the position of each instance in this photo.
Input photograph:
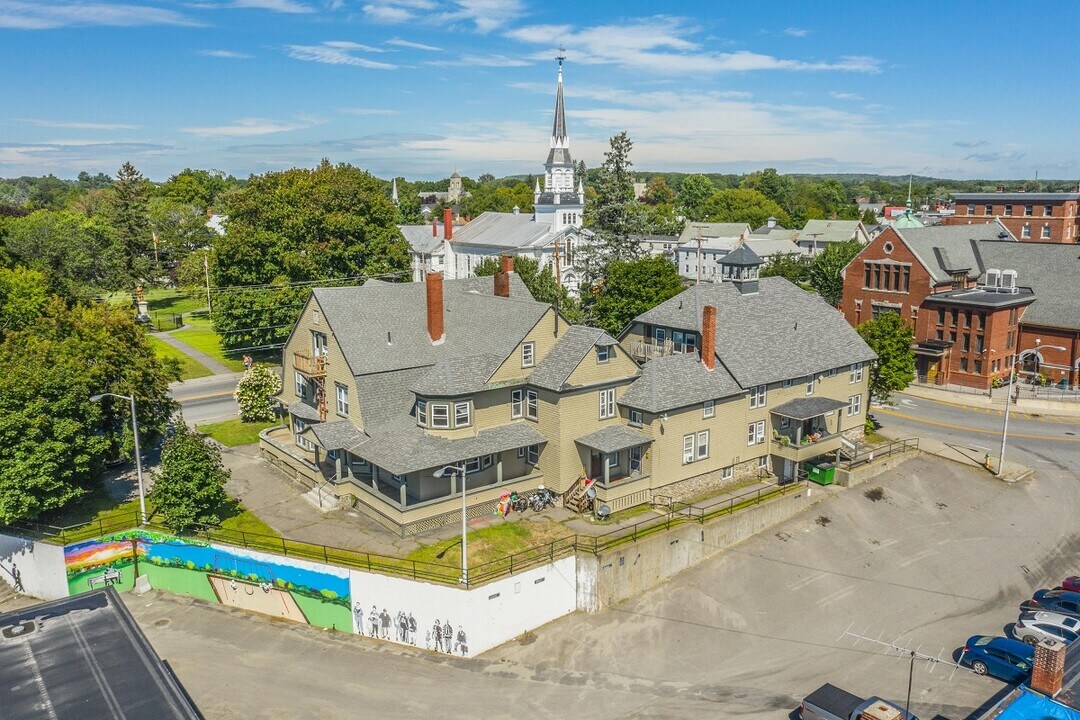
(575, 498)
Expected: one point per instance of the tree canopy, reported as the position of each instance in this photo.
(891, 337)
(743, 206)
(631, 287)
(826, 269)
(190, 489)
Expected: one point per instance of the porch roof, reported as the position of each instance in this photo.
(808, 407)
(304, 411)
(614, 438)
(335, 435)
(933, 348)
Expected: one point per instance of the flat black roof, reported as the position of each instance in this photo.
(84, 657)
(977, 297)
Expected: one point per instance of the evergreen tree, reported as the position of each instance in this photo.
(130, 219)
(611, 214)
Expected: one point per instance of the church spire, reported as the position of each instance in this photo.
(559, 138)
(393, 193)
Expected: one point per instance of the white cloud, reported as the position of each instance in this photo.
(338, 52)
(484, 15)
(844, 95)
(283, 6)
(247, 127)
(796, 32)
(20, 15)
(663, 45)
(76, 125)
(370, 111)
(482, 61)
(229, 54)
(414, 45)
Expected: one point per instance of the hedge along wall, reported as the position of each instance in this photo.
(485, 616)
(39, 567)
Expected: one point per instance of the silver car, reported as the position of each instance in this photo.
(1036, 626)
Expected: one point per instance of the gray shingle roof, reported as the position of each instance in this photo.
(383, 327)
(780, 332)
(556, 367)
(694, 230)
(742, 256)
(336, 435)
(614, 438)
(420, 238)
(951, 247)
(508, 231)
(808, 407)
(458, 376)
(411, 449)
(559, 156)
(765, 247)
(303, 411)
(676, 381)
(1051, 270)
(829, 231)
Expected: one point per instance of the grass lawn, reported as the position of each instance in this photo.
(237, 518)
(189, 368)
(231, 433)
(202, 337)
(494, 542)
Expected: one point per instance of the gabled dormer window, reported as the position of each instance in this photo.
(421, 413)
(603, 354)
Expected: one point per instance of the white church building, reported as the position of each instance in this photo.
(552, 234)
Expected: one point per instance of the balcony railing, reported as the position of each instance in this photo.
(805, 447)
(650, 349)
(310, 366)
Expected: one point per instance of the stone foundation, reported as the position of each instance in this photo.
(711, 482)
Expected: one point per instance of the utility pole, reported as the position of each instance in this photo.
(206, 270)
(699, 257)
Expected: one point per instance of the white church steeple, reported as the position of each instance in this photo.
(560, 204)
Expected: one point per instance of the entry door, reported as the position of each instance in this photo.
(596, 465)
(931, 371)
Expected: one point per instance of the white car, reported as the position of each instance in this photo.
(1033, 627)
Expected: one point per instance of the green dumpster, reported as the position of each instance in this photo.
(823, 474)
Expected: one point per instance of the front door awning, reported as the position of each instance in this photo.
(808, 407)
(614, 438)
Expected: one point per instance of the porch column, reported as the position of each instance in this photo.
(498, 470)
(375, 477)
(404, 498)
(340, 463)
(607, 469)
(798, 434)
(453, 483)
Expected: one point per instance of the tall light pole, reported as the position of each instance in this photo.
(460, 470)
(1008, 396)
(138, 461)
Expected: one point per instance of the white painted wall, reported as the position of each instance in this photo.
(40, 565)
(490, 615)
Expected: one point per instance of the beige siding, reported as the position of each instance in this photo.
(590, 371)
(337, 370)
(543, 335)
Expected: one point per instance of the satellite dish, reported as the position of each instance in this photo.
(591, 492)
(602, 512)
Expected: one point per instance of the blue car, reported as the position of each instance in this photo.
(1009, 660)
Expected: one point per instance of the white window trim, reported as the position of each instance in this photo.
(763, 462)
(640, 418)
(856, 373)
(521, 451)
(702, 447)
(517, 404)
(759, 396)
(854, 405)
(708, 409)
(445, 409)
(727, 473)
(421, 413)
(458, 414)
(607, 403)
(301, 386)
(532, 455)
(341, 395)
(788, 383)
(528, 354)
(810, 384)
(688, 447)
(755, 433)
(603, 354)
(532, 404)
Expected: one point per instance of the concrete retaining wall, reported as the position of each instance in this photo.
(626, 571)
(851, 478)
(39, 566)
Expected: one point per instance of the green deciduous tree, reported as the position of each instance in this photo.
(255, 393)
(771, 184)
(891, 338)
(826, 269)
(694, 192)
(743, 206)
(190, 489)
(540, 283)
(180, 228)
(658, 192)
(631, 288)
(23, 294)
(791, 266)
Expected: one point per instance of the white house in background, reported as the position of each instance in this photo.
(817, 234)
(705, 230)
(712, 251)
(217, 223)
(657, 245)
(766, 247)
(552, 234)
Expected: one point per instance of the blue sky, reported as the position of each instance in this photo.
(423, 87)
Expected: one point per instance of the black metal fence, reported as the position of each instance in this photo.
(864, 454)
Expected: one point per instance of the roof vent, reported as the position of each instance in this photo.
(1008, 282)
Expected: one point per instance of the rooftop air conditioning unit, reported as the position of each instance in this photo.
(993, 279)
(1008, 281)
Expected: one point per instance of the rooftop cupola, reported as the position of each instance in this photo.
(741, 267)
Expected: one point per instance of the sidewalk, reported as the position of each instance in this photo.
(972, 456)
(200, 357)
(1026, 403)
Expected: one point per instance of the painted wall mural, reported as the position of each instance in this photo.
(272, 585)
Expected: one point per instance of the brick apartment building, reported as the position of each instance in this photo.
(975, 298)
(1030, 217)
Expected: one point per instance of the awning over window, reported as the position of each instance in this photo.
(614, 438)
(808, 407)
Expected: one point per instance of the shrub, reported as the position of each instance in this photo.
(255, 393)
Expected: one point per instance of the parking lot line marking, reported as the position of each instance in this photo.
(996, 433)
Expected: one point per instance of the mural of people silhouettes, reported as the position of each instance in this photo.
(384, 622)
(462, 643)
(448, 637)
(358, 618)
(412, 629)
(436, 636)
(373, 622)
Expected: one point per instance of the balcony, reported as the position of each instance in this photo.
(308, 365)
(801, 428)
(805, 447)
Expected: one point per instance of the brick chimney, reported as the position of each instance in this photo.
(435, 307)
(708, 336)
(448, 223)
(502, 284)
(506, 263)
(1049, 667)
(434, 228)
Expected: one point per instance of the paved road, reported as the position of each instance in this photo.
(208, 398)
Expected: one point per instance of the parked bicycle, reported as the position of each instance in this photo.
(541, 499)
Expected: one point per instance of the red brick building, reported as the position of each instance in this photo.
(1030, 217)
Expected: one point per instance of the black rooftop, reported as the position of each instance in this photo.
(741, 256)
(977, 297)
(808, 407)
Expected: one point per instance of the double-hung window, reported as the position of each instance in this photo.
(472, 465)
(636, 418)
(708, 409)
(318, 344)
(702, 445)
(517, 403)
(607, 403)
(688, 442)
(809, 384)
(603, 354)
(854, 405)
(462, 414)
(421, 413)
(531, 403)
(342, 399)
(440, 416)
(301, 386)
(758, 396)
(532, 454)
(856, 373)
(528, 354)
(727, 473)
(755, 433)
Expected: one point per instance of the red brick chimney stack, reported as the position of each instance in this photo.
(506, 263)
(502, 284)
(448, 223)
(1048, 669)
(435, 327)
(434, 228)
(708, 336)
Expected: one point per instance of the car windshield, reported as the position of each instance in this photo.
(983, 641)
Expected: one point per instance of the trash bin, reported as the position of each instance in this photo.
(823, 474)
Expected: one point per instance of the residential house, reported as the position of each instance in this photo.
(1053, 691)
(427, 247)
(818, 234)
(1029, 216)
(765, 247)
(701, 259)
(657, 245)
(706, 230)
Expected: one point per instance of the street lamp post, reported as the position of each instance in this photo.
(138, 460)
(1008, 396)
(460, 470)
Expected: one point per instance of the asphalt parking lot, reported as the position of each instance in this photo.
(945, 552)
